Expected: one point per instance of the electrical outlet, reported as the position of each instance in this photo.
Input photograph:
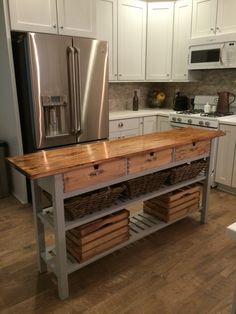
(138, 93)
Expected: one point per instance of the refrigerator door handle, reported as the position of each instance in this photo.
(78, 86)
(72, 88)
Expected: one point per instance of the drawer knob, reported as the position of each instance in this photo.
(120, 124)
(96, 171)
(152, 156)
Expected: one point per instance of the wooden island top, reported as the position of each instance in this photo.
(60, 160)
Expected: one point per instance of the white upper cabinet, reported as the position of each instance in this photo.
(226, 20)
(77, 17)
(106, 29)
(35, 16)
(213, 17)
(159, 40)
(182, 29)
(68, 17)
(131, 40)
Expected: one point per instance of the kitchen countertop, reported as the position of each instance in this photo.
(125, 114)
(61, 160)
(231, 120)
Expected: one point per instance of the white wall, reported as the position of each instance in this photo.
(9, 114)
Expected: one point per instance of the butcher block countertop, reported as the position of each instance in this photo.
(60, 160)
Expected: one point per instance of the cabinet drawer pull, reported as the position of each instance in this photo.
(152, 156)
(54, 26)
(120, 124)
(96, 172)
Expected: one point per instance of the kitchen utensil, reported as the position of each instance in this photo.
(224, 102)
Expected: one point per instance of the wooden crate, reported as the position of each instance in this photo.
(98, 236)
(174, 205)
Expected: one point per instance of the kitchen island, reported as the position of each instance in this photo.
(74, 170)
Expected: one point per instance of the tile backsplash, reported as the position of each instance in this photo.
(212, 81)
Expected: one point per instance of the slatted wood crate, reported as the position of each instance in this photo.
(174, 205)
(98, 236)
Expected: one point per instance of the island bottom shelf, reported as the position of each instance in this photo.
(141, 224)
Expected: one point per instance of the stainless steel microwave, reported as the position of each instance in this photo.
(212, 56)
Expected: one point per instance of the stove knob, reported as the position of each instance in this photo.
(173, 118)
(200, 122)
(207, 123)
(179, 119)
(190, 121)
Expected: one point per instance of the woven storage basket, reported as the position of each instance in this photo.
(187, 171)
(145, 184)
(90, 202)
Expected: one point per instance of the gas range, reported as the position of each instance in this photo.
(197, 117)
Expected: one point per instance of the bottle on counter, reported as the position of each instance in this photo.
(135, 101)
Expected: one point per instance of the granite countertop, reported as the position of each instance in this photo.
(231, 120)
(125, 114)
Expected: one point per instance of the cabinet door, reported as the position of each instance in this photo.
(225, 155)
(163, 124)
(77, 17)
(159, 41)
(182, 28)
(203, 17)
(234, 168)
(226, 21)
(130, 133)
(34, 16)
(149, 124)
(131, 40)
(114, 135)
(106, 29)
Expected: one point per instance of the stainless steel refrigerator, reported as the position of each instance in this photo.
(62, 89)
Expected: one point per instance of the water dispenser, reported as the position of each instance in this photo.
(56, 115)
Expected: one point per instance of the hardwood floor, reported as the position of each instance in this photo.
(184, 268)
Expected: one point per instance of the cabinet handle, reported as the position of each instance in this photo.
(96, 172)
(167, 74)
(120, 74)
(212, 28)
(217, 28)
(61, 27)
(152, 156)
(120, 124)
(54, 26)
(115, 74)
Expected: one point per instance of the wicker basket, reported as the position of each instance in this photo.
(187, 171)
(78, 206)
(145, 184)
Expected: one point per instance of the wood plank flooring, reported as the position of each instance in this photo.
(185, 268)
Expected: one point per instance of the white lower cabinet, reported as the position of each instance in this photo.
(226, 157)
(163, 124)
(125, 128)
(149, 124)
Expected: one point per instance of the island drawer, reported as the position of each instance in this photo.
(93, 174)
(149, 160)
(192, 150)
